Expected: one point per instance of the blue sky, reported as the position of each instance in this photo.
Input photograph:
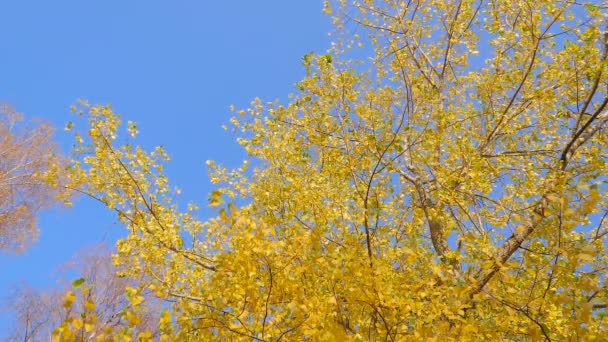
(172, 66)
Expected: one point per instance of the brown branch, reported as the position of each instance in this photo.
(267, 298)
(510, 246)
(572, 144)
(449, 42)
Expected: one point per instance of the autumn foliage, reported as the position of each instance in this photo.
(449, 185)
(26, 151)
(102, 299)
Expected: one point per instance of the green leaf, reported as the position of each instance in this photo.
(78, 282)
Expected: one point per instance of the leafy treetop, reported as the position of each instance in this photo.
(448, 186)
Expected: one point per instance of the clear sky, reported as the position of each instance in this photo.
(172, 66)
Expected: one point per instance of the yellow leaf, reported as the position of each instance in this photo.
(70, 297)
(77, 323)
(132, 318)
(89, 305)
(137, 300)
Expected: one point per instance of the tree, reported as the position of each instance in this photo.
(35, 313)
(450, 187)
(39, 312)
(26, 151)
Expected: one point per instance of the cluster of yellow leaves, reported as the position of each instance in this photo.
(84, 324)
(455, 190)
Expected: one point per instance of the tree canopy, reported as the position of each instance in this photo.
(439, 174)
(27, 150)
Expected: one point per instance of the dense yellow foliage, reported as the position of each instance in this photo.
(448, 185)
